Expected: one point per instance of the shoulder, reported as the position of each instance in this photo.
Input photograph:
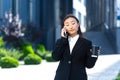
(62, 40)
(86, 41)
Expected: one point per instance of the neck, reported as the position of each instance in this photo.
(73, 35)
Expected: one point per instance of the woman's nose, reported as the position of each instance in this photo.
(71, 26)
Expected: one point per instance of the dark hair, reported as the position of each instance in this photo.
(71, 15)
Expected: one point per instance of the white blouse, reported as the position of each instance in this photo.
(72, 41)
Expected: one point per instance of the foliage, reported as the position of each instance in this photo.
(32, 33)
(8, 62)
(118, 77)
(2, 43)
(32, 59)
(17, 38)
(45, 54)
(41, 51)
(41, 48)
(48, 57)
(10, 52)
(14, 53)
(11, 30)
(11, 27)
(41, 54)
(26, 48)
(3, 52)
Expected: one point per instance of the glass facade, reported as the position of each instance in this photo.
(45, 15)
(80, 11)
(117, 10)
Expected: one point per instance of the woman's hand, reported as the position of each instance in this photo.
(63, 33)
(99, 52)
(94, 53)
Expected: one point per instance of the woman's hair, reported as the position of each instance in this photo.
(71, 15)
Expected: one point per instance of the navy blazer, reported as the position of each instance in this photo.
(72, 66)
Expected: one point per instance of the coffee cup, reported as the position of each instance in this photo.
(95, 49)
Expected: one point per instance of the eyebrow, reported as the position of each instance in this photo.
(68, 22)
(73, 21)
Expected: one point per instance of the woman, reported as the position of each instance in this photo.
(73, 51)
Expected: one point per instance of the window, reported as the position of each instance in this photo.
(79, 16)
(74, 11)
(79, 0)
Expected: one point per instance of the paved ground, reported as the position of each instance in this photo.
(106, 68)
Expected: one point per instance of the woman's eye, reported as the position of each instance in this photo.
(67, 25)
(73, 23)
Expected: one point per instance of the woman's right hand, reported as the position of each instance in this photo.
(63, 33)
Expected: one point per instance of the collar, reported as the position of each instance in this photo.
(75, 38)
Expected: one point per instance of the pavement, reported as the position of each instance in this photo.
(107, 67)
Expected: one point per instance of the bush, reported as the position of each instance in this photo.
(8, 62)
(41, 51)
(14, 53)
(48, 57)
(26, 48)
(3, 52)
(41, 54)
(10, 52)
(41, 48)
(32, 59)
(2, 43)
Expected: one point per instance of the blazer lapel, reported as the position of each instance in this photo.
(77, 46)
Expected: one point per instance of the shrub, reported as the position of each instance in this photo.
(2, 43)
(41, 54)
(3, 52)
(10, 52)
(32, 59)
(41, 51)
(48, 57)
(8, 62)
(14, 53)
(26, 49)
(41, 48)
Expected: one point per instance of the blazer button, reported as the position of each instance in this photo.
(69, 62)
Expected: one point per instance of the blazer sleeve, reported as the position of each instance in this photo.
(59, 48)
(90, 61)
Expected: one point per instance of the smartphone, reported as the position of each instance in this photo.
(66, 34)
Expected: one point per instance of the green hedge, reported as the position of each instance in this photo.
(8, 62)
(2, 43)
(32, 59)
(10, 52)
(48, 57)
(3, 52)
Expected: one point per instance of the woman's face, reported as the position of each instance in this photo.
(71, 26)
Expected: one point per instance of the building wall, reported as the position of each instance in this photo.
(79, 10)
(100, 12)
(6, 7)
(103, 14)
(45, 14)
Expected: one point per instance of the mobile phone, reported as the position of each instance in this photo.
(66, 34)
